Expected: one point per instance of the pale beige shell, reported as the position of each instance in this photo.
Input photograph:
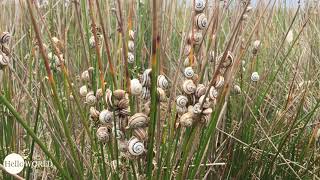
(182, 101)
(228, 61)
(201, 90)
(162, 82)
(131, 34)
(85, 76)
(162, 95)
(213, 93)
(187, 49)
(188, 72)
(188, 86)
(123, 145)
(108, 97)
(135, 147)
(237, 89)
(131, 46)
(91, 99)
(196, 108)
(4, 60)
(197, 37)
(181, 110)
(205, 101)
(99, 93)
(83, 91)
(119, 94)
(138, 120)
(201, 21)
(140, 133)
(94, 112)
(187, 63)
(103, 134)
(106, 116)
(186, 120)
(219, 82)
(199, 5)
(130, 57)
(207, 111)
(123, 103)
(5, 37)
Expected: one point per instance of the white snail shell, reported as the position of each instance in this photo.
(99, 93)
(207, 111)
(188, 86)
(131, 34)
(255, 77)
(219, 82)
(206, 102)
(196, 108)
(138, 120)
(140, 133)
(181, 110)
(237, 89)
(213, 93)
(83, 91)
(186, 119)
(130, 58)
(201, 21)
(90, 98)
(105, 116)
(135, 147)
(5, 37)
(163, 82)
(182, 101)
(205, 118)
(136, 87)
(200, 5)
(131, 46)
(228, 61)
(85, 76)
(145, 93)
(197, 37)
(188, 72)
(4, 60)
(201, 90)
(146, 80)
(94, 112)
(103, 134)
(162, 95)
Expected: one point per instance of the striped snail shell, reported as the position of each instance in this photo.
(91, 99)
(131, 46)
(83, 91)
(213, 93)
(188, 72)
(145, 94)
(130, 58)
(5, 37)
(228, 61)
(201, 21)
(206, 101)
(135, 147)
(161, 94)
(103, 134)
(205, 118)
(201, 90)
(219, 82)
(146, 80)
(105, 116)
(197, 37)
(119, 94)
(131, 34)
(188, 86)
(186, 119)
(199, 5)
(119, 134)
(4, 60)
(181, 109)
(85, 75)
(207, 111)
(123, 103)
(108, 97)
(94, 112)
(136, 87)
(140, 133)
(99, 93)
(196, 108)
(255, 77)
(162, 82)
(256, 46)
(137, 120)
(187, 49)
(182, 101)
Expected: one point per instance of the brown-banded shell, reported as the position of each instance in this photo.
(181, 110)
(119, 94)
(219, 82)
(145, 94)
(140, 133)
(186, 119)
(201, 21)
(182, 101)
(187, 49)
(201, 90)
(213, 93)
(162, 82)
(5, 37)
(83, 91)
(188, 86)
(138, 120)
(228, 61)
(197, 37)
(94, 112)
(205, 119)
(91, 99)
(119, 134)
(205, 101)
(108, 98)
(196, 108)
(136, 87)
(199, 5)
(161, 94)
(130, 57)
(105, 116)
(123, 145)
(123, 103)
(135, 147)
(103, 134)
(146, 79)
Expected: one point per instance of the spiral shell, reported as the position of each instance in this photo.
(130, 58)
(119, 134)
(197, 37)
(161, 94)
(123, 103)
(255, 77)
(103, 134)
(205, 119)
(140, 133)
(135, 147)
(4, 60)
(207, 111)
(213, 93)
(186, 119)
(131, 46)
(188, 72)
(196, 108)
(188, 86)
(108, 97)
(5, 37)
(181, 109)
(94, 112)
(256, 46)
(85, 76)
(99, 93)
(105, 116)
(201, 90)
(131, 34)
(83, 91)
(136, 87)
(228, 61)
(119, 94)
(201, 21)
(219, 82)
(200, 5)
(138, 120)
(163, 82)
(206, 101)
(146, 80)
(182, 101)
(145, 94)
(91, 99)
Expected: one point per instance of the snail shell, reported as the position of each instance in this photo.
(162, 82)
(196, 108)
(186, 119)
(108, 97)
(228, 61)
(147, 107)
(130, 58)
(4, 60)
(162, 95)
(201, 90)
(136, 87)
(207, 111)
(99, 93)
(213, 93)
(90, 98)
(188, 86)
(256, 46)
(237, 89)
(5, 37)
(146, 80)
(131, 46)
(94, 112)
(138, 120)
(131, 34)
(206, 102)
(181, 109)
(119, 94)
(119, 134)
(200, 5)
(145, 93)
(219, 82)
(197, 37)
(105, 116)
(85, 76)
(140, 133)
(201, 21)
(188, 72)
(123, 103)
(135, 147)
(123, 145)
(103, 134)
(182, 101)
(83, 91)
(255, 77)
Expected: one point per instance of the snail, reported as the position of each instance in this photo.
(256, 45)
(85, 76)
(3, 61)
(130, 58)
(123, 103)
(161, 94)
(146, 80)
(237, 89)
(123, 145)
(255, 77)
(182, 101)
(131, 34)
(201, 21)
(147, 107)
(119, 94)
(135, 147)
(205, 101)
(181, 109)
(83, 91)
(188, 72)
(145, 94)
(228, 61)
(5, 37)
(188, 86)
(94, 112)
(197, 37)
(103, 134)
(90, 98)
(207, 111)
(137, 120)
(99, 93)
(119, 134)
(163, 82)
(131, 46)
(140, 133)
(105, 116)
(200, 5)
(219, 82)
(186, 119)
(201, 90)
(213, 93)
(196, 108)
(136, 87)
(108, 97)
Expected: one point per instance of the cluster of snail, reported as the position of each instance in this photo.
(131, 47)
(4, 53)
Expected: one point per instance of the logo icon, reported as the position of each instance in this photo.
(13, 163)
